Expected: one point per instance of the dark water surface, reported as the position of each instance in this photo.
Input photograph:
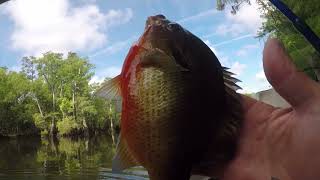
(32, 158)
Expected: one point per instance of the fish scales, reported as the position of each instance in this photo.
(181, 114)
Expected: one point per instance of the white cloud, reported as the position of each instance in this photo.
(237, 68)
(247, 20)
(117, 17)
(233, 29)
(46, 25)
(261, 77)
(96, 79)
(258, 83)
(262, 82)
(109, 72)
(248, 17)
(245, 49)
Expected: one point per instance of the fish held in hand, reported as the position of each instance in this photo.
(181, 114)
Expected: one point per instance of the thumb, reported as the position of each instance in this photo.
(294, 86)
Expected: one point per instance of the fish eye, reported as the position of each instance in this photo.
(174, 27)
(160, 16)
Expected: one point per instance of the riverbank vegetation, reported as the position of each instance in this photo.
(51, 95)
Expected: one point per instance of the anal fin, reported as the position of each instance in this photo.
(123, 158)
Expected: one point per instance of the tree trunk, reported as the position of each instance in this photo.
(53, 143)
(52, 127)
(111, 125)
(74, 101)
(39, 107)
(53, 101)
(61, 89)
(53, 124)
(86, 129)
(73, 105)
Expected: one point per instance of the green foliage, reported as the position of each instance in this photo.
(277, 25)
(67, 125)
(221, 4)
(65, 106)
(44, 133)
(16, 108)
(40, 121)
(51, 95)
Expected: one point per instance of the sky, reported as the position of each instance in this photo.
(104, 30)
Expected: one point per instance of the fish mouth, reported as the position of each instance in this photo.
(163, 35)
(156, 33)
(152, 21)
(158, 20)
(160, 33)
(161, 21)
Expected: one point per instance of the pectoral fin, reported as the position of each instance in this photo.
(111, 88)
(123, 158)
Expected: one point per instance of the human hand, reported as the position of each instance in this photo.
(277, 142)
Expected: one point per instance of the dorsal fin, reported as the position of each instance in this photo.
(123, 158)
(222, 151)
(230, 81)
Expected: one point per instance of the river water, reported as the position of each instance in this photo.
(32, 158)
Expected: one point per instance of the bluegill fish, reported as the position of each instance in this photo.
(180, 112)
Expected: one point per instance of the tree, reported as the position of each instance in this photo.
(29, 68)
(52, 94)
(303, 54)
(77, 72)
(277, 25)
(16, 107)
(48, 67)
(235, 4)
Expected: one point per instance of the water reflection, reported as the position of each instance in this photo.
(64, 158)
